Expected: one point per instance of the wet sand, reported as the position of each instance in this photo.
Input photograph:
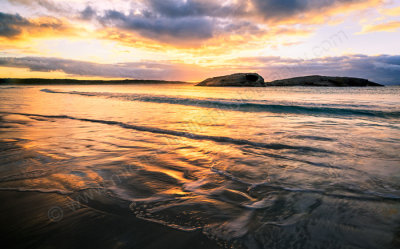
(25, 223)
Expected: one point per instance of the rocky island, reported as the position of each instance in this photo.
(255, 80)
(317, 80)
(238, 79)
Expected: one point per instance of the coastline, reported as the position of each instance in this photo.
(38, 81)
(99, 223)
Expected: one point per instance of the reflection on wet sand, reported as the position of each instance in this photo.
(133, 175)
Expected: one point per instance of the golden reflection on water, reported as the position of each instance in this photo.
(183, 180)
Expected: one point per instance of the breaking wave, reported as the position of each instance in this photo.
(243, 105)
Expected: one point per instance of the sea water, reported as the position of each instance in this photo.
(276, 167)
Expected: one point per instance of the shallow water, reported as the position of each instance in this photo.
(247, 167)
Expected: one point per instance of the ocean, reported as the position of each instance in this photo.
(179, 166)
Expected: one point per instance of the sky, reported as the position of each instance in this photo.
(190, 40)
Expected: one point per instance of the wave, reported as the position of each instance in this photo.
(243, 105)
(8, 87)
(26, 175)
(352, 193)
(39, 190)
(219, 139)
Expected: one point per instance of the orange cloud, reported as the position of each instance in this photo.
(383, 27)
(205, 52)
(17, 28)
(50, 26)
(392, 11)
(22, 35)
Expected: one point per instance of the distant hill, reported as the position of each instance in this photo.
(38, 81)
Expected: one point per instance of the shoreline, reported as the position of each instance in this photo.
(39, 81)
(31, 225)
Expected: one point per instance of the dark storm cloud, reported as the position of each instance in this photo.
(268, 9)
(10, 25)
(203, 19)
(167, 20)
(272, 8)
(180, 8)
(154, 26)
(282, 9)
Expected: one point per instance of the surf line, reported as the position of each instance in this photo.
(244, 106)
(220, 139)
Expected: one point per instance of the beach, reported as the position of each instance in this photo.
(180, 166)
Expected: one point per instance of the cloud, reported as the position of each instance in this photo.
(180, 8)
(284, 9)
(134, 70)
(381, 69)
(46, 4)
(195, 22)
(392, 11)
(157, 27)
(200, 23)
(186, 21)
(191, 23)
(10, 25)
(14, 27)
(383, 27)
(88, 13)
(266, 9)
